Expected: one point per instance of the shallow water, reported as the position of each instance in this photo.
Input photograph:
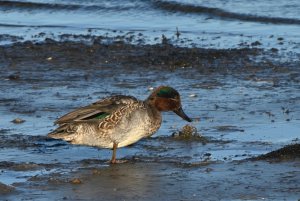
(241, 115)
(218, 24)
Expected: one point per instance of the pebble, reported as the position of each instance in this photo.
(14, 77)
(96, 172)
(76, 181)
(18, 121)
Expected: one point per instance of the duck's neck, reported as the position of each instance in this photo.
(150, 102)
(154, 113)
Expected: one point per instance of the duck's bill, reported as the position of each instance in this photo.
(181, 113)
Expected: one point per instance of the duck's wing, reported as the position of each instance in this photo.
(97, 110)
(68, 130)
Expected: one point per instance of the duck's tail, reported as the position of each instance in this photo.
(64, 132)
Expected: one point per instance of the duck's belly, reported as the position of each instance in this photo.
(123, 136)
(132, 137)
(122, 139)
(93, 138)
(130, 133)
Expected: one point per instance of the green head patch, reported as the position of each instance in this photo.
(167, 92)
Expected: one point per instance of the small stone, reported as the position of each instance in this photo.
(96, 172)
(18, 121)
(14, 77)
(207, 154)
(76, 181)
(286, 111)
(49, 58)
(256, 43)
(274, 49)
(207, 170)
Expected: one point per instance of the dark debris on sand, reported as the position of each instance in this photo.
(160, 56)
(289, 152)
(5, 189)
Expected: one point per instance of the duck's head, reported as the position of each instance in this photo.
(166, 98)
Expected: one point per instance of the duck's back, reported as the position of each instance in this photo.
(97, 110)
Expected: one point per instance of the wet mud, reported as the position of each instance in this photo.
(289, 152)
(161, 56)
(4, 189)
(244, 104)
(146, 173)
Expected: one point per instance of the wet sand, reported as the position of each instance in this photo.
(244, 103)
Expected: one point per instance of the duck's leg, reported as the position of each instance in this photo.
(113, 158)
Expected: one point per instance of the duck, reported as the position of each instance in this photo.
(118, 121)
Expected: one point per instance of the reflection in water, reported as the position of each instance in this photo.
(159, 181)
(136, 181)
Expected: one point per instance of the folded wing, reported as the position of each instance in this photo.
(97, 110)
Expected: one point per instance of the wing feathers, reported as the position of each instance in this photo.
(107, 105)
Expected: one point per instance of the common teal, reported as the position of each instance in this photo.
(118, 121)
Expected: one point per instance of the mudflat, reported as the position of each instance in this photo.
(243, 143)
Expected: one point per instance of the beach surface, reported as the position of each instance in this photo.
(244, 103)
(236, 66)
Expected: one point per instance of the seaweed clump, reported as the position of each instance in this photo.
(189, 133)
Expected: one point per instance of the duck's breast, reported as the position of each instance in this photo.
(136, 125)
